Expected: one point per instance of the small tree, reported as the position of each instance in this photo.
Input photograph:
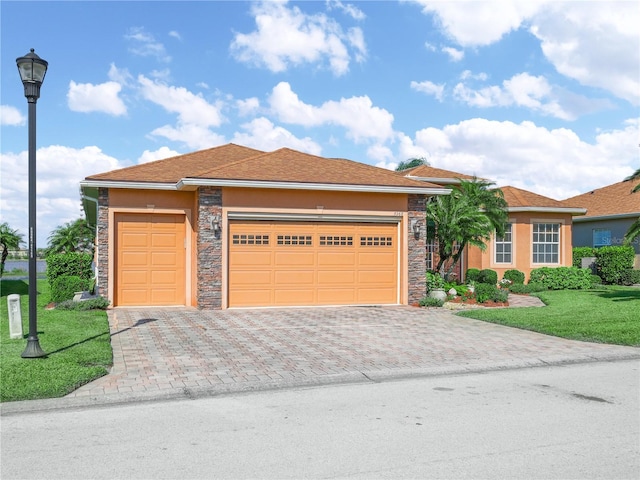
(468, 216)
(9, 239)
(76, 236)
(634, 228)
(411, 163)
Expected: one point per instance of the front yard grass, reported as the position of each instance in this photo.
(608, 314)
(77, 344)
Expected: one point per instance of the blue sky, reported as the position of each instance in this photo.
(539, 95)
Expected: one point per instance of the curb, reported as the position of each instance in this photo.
(352, 378)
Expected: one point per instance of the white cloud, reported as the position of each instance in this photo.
(287, 37)
(429, 88)
(175, 35)
(357, 115)
(595, 43)
(160, 154)
(480, 23)
(59, 171)
(454, 54)
(119, 75)
(104, 97)
(11, 116)
(348, 8)
(469, 75)
(195, 114)
(262, 134)
(532, 92)
(248, 106)
(555, 163)
(144, 44)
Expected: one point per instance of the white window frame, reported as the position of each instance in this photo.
(547, 242)
(502, 241)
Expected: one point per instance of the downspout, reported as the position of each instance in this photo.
(95, 253)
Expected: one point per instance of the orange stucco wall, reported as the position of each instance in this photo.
(522, 239)
(306, 199)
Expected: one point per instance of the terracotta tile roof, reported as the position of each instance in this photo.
(172, 170)
(433, 173)
(615, 199)
(518, 198)
(233, 162)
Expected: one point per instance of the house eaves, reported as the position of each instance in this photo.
(572, 211)
(436, 180)
(187, 184)
(600, 218)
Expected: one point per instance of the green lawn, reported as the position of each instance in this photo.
(77, 344)
(608, 314)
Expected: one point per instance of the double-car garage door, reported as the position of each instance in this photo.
(312, 263)
(270, 263)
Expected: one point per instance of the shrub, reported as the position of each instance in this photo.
(434, 280)
(69, 264)
(65, 286)
(629, 277)
(484, 292)
(499, 295)
(514, 276)
(580, 252)
(488, 276)
(431, 302)
(611, 262)
(595, 281)
(561, 278)
(529, 288)
(472, 274)
(98, 303)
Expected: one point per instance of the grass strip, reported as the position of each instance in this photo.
(77, 344)
(608, 314)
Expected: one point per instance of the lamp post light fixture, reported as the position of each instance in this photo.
(32, 70)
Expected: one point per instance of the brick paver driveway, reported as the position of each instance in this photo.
(188, 350)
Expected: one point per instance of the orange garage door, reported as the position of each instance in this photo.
(150, 252)
(312, 263)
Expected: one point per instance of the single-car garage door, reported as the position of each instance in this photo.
(312, 263)
(150, 252)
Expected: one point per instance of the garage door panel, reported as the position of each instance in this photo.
(294, 277)
(132, 239)
(332, 277)
(286, 259)
(377, 259)
(151, 259)
(250, 259)
(250, 278)
(336, 258)
(312, 263)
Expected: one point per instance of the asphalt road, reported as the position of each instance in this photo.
(576, 421)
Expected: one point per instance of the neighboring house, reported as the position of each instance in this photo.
(610, 212)
(538, 233)
(233, 226)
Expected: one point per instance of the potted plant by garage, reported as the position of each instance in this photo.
(435, 286)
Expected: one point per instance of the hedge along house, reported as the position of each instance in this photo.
(538, 232)
(233, 226)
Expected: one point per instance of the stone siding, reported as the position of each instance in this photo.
(417, 249)
(209, 249)
(102, 243)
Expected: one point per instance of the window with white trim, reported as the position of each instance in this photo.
(504, 246)
(546, 243)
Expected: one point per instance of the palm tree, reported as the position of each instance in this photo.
(77, 236)
(634, 229)
(468, 216)
(9, 239)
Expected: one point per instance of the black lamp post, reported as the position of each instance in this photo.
(32, 70)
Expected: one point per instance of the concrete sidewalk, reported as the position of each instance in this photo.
(165, 353)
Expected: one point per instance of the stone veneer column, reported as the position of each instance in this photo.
(102, 242)
(209, 249)
(417, 249)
